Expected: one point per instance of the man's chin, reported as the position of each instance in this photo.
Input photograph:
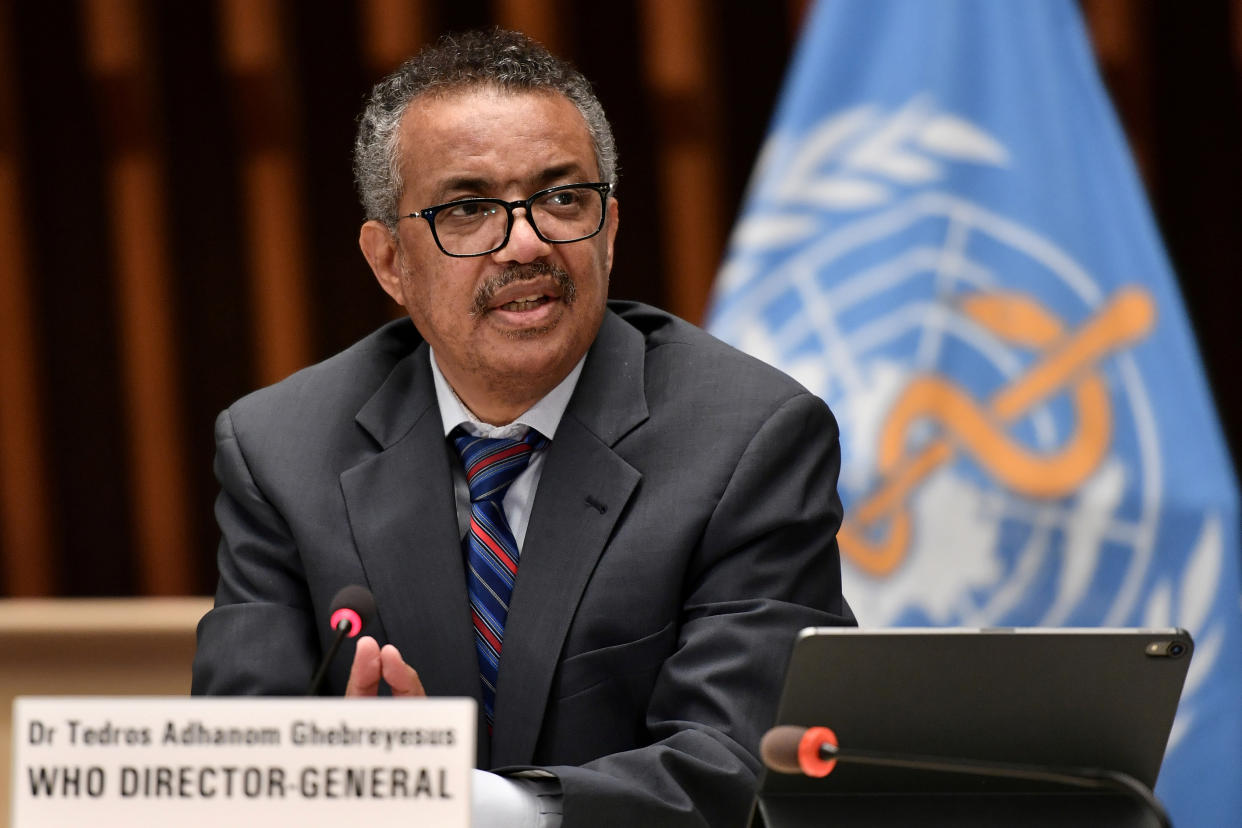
(539, 346)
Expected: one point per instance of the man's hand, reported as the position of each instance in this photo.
(372, 664)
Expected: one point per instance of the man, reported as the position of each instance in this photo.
(672, 502)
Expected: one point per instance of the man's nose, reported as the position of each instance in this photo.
(524, 244)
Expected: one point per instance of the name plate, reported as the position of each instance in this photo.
(199, 761)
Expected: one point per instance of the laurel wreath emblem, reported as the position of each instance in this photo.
(857, 159)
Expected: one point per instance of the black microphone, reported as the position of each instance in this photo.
(815, 752)
(350, 610)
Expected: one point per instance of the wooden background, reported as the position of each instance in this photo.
(178, 223)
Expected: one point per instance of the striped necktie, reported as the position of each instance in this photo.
(491, 551)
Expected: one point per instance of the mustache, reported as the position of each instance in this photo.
(522, 273)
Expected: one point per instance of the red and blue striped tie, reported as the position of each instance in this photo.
(491, 551)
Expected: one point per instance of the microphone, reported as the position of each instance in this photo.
(350, 610)
(815, 751)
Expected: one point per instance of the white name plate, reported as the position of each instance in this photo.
(210, 762)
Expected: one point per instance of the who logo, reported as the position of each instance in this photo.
(1002, 452)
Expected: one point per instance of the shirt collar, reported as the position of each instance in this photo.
(544, 416)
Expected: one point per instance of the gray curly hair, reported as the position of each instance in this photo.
(508, 60)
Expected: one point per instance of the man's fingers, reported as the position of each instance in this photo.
(372, 664)
(364, 675)
(401, 677)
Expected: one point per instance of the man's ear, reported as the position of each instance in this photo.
(379, 246)
(614, 220)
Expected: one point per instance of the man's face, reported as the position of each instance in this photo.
(508, 325)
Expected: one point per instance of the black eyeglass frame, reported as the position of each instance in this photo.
(429, 213)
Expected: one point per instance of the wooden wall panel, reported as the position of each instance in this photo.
(681, 73)
(1235, 18)
(1119, 35)
(118, 58)
(541, 19)
(178, 224)
(1194, 134)
(25, 530)
(392, 31)
(256, 60)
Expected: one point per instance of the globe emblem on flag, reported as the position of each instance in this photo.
(1000, 455)
(973, 496)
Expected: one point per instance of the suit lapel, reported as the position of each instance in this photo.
(401, 511)
(582, 492)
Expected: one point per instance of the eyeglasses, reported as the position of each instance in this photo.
(478, 226)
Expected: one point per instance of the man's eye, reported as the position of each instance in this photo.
(471, 210)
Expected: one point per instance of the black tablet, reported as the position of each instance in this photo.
(1092, 698)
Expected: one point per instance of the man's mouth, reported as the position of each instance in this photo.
(526, 303)
(524, 288)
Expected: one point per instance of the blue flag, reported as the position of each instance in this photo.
(946, 239)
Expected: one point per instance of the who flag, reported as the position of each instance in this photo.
(946, 239)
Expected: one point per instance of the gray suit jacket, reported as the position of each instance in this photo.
(683, 531)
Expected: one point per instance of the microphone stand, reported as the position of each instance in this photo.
(342, 629)
(1092, 778)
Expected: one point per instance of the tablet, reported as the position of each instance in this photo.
(1096, 698)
